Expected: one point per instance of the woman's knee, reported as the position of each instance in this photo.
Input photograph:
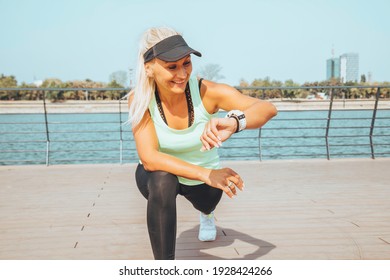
(162, 186)
(210, 204)
(204, 198)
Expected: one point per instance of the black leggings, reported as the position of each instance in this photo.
(160, 189)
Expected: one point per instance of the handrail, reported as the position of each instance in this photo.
(308, 141)
(237, 87)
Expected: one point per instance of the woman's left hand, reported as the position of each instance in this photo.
(216, 131)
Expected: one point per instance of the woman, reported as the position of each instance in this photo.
(176, 130)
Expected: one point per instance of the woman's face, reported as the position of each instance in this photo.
(171, 77)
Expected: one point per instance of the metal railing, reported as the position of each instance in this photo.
(103, 137)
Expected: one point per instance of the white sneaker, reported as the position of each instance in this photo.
(207, 228)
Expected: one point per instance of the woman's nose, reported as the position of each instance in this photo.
(182, 73)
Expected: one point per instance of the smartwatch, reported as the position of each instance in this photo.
(240, 118)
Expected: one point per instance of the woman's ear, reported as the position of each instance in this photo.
(149, 70)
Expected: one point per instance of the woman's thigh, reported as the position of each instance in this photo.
(203, 197)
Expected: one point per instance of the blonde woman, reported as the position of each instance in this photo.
(177, 132)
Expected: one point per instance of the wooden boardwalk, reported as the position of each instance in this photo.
(300, 209)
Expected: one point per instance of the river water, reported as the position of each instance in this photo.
(96, 138)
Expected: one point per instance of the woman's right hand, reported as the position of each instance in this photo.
(225, 179)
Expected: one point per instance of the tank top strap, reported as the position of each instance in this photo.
(197, 100)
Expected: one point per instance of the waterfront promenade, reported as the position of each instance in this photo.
(290, 209)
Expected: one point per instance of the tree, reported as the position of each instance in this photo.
(211, 72)
(363, 79)
(290, 93)
(267, 93)
(120, 77)
(7, 82)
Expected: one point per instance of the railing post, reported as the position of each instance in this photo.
(120, 131)
(47, 129)
(373, 122)
(328, 124)
(260, 153)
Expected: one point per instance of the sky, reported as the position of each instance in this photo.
(249, 39)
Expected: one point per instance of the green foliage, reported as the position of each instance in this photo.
(266, 91)
(114, 84)
(8, 82)
(271, 93)
(288, 93)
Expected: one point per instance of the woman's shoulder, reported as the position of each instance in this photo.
(211, 93)
(215, 89)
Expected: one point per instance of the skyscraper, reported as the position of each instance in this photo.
(345, 67)
(349, 67)
(332, 68)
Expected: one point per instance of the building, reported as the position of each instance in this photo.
(345, 67)
(333, 68)
(349, 67)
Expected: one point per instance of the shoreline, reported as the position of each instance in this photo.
(82, 106)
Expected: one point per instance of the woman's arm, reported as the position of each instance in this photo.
(220, 96)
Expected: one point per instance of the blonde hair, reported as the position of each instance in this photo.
(144, 85)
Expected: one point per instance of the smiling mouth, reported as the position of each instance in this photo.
(179, 83)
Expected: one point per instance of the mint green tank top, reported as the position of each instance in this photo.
(185, 144)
